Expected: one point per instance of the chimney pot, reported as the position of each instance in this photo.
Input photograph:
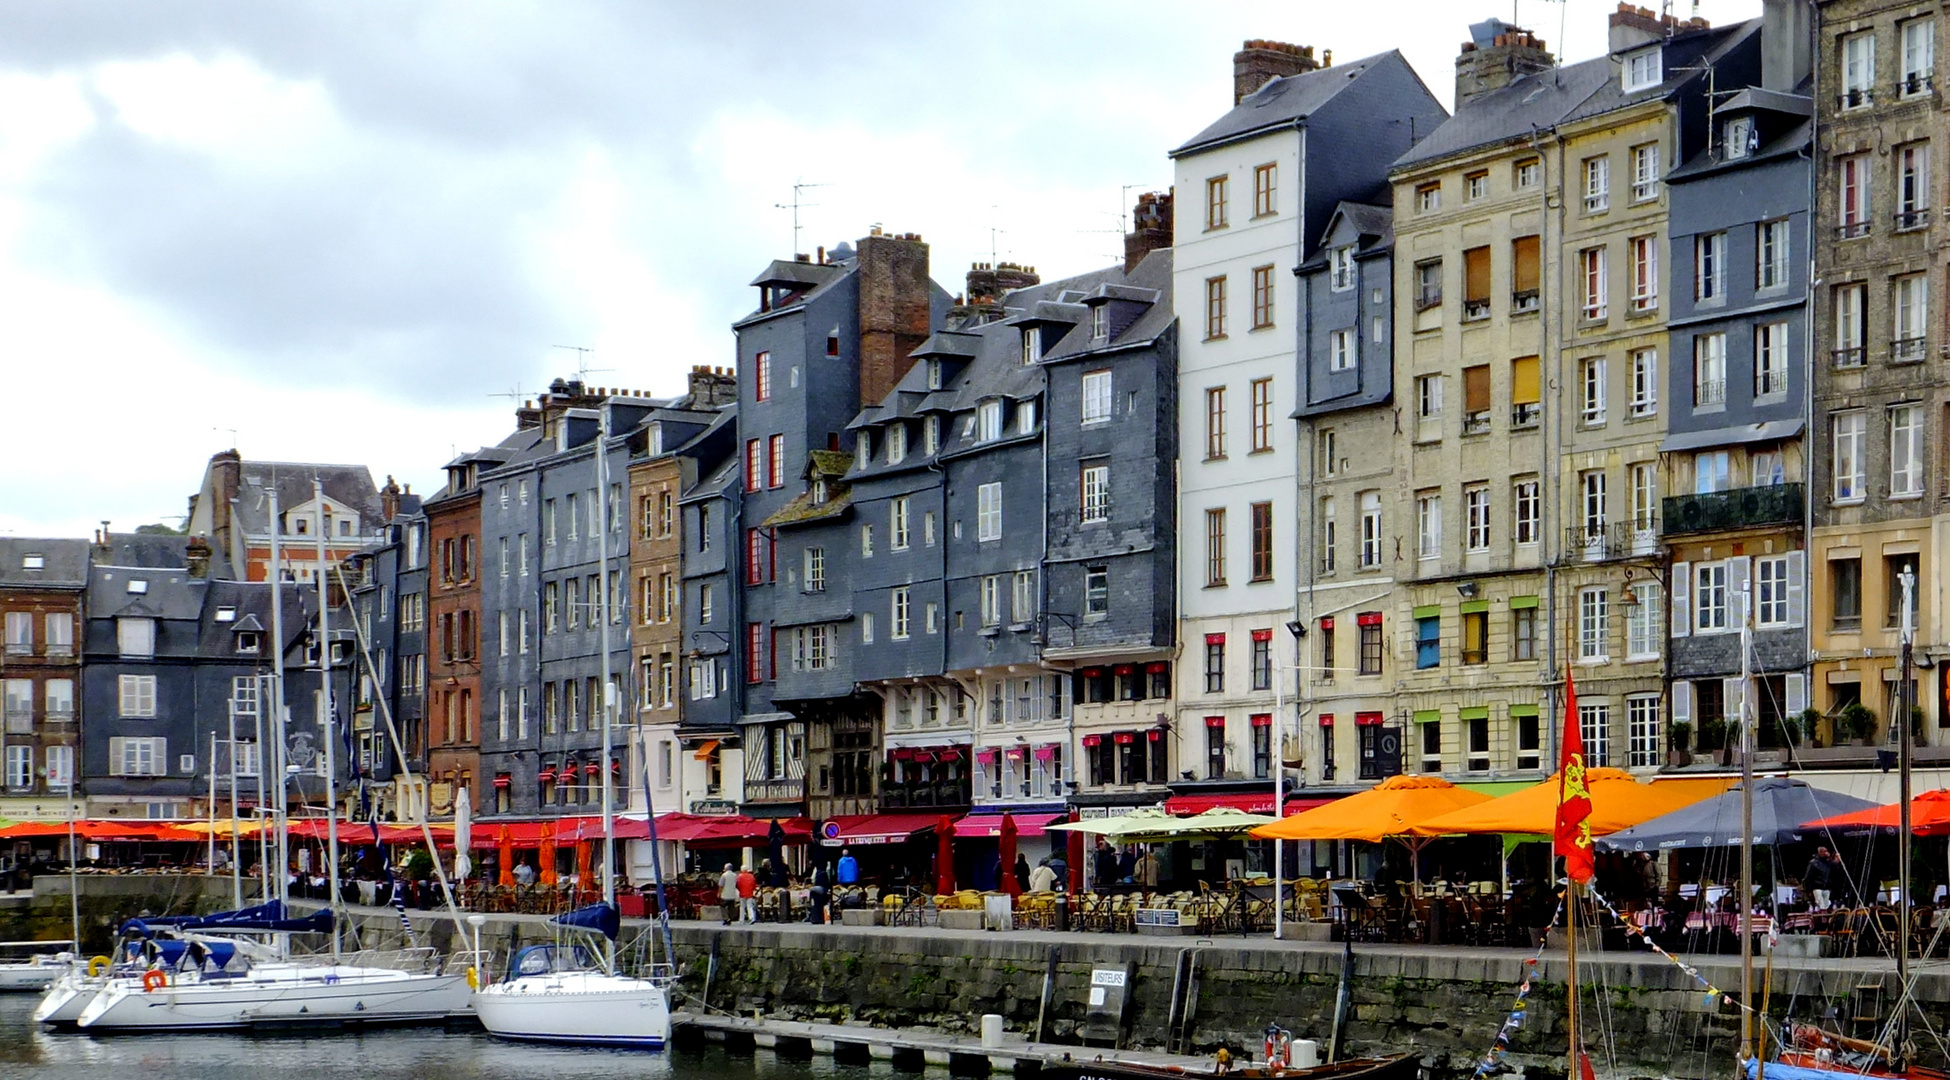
(1260, 61)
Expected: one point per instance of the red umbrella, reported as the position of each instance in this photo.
(1929, 815)
(548, 854)
(1076, 853)
(944, 856)
(506, 843)
(1007, 859)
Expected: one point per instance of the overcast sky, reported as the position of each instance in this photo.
(342, 229)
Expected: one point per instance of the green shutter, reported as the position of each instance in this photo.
(1523, 602)
(1428, 716)
(1475, 607)
(1476, 712)
(1429, 611)
(1523, 710)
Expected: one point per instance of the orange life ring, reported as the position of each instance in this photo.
(153, 981)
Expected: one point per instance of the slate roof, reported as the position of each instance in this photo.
(1284, 102)
(348, 485)
(1374, 224)
(1528, 105)
(252, 603)
(147, 550)
(1680, 65)
(64, 562)
(829, 465)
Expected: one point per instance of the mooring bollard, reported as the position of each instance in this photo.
(991, 1029)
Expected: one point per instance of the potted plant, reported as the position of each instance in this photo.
(1856, 722)
(1679, 736)
(1712, 734)
(1809, 723)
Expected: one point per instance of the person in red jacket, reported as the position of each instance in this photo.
(748, 896)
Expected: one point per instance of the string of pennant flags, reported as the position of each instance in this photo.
(1492, 1062)
(1706, 986)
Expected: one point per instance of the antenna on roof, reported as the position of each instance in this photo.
(233, 435)
(515, 392)
(583, 370)
(798, 186)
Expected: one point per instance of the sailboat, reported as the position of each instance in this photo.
(559, 994)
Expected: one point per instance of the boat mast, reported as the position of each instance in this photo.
(1906, 707)
(279, 780)
(1746, 908)
(325, 717)
(1574, 1055)
(609, 686)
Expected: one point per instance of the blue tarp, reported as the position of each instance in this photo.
(1777, 1071)
(602, 918)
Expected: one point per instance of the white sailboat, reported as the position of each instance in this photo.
(35, 972)
(567, 995)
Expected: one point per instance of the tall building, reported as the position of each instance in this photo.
(388, 598)
(1261, 184)
(41, 585)
(232, 511)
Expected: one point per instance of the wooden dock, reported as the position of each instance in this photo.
(964, 1055)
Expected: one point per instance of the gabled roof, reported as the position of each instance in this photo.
(1373, 228)
(1284, 102)
(63, 562)
(1685, 58)
(347, 485)
(1527, 106)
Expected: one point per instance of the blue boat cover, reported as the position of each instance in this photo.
(1797, 1072)
(602, 918)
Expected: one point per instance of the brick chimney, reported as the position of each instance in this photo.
(1150, 228)
(1260, 62)
(1496, 55)
(226, 479)
(196, 554)
(988, 282)
(389, 499)
(894, 309)
(1632, 26)
(711, 387)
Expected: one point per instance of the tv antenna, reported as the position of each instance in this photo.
(233, 435)
(797, 203)
(583, 370)
(515, 392)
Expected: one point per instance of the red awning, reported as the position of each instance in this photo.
(1125, 738)
(1262, 719)
(739, 831)
(503, 780)
(984, 824)
(874, 828)
(1250, 802)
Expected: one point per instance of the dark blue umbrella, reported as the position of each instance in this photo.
(1781, 804)
(775, 839)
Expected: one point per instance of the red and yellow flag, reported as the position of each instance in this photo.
(1573, 837)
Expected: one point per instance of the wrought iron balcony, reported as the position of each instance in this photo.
(1613, 540)
(1740, 508)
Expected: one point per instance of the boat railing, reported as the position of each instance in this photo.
(420, 961)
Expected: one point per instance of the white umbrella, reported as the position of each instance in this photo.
(463, 833)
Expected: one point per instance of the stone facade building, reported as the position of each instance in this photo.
(41, 586)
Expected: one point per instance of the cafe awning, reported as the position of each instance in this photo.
(1388, 809)
(849, 829)
(1618, 801)
(1246, 802)
(982, 824)
(1929, 815)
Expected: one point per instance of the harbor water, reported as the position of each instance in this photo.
(27, 1053)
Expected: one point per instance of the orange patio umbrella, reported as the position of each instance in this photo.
(547, 876)
(1618, 801)
(1389, 809)
(505, 848)
(1929, 815)
(584, 849)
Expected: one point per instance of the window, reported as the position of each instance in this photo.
(762, 376)
(1642, 70)
(1329, 453)
(138, 757)
(60, 767)
(1475, 636)
(1476, 399)
(1032, 345)
(1340, 350)
(1215, 308)
(1262, 660)
(1476, 185)
(1523, 632)
(1266, 189)
(1215, 747)
(1428, 530)
(1645, 382)
(1591, 381)
(754, 656)
(59, 627)
(135, 637)
(1428, 403)
(1370, 623)
(1096, 396)
(992, 600)
(1643, 730)
(1645, 498)
(988, 418)
(1738, 140)
(1771, 255)
(988, 512)
(1645, 273)
(1428, 197)
(862, 451)
(757, 563)
(1919, 56)
(1476, 509)
(1770, 359)
(1526, 391)
(775, 458)
(1710, 267)
(866, 541)
(1022, 599)
(896, 443)
(1262, 297)
(1594, 625)
(812, 648)
(1911, 309)
(1262, 541)
(1527, 173)
(1905, 451)
(1215, 663)
(1476, 284)
(1597, 184)
(815, 569)
(927, 527)
(1262, 415)
(1099, 322)
(1645, 172)
(1370, 529)
(20, 633)
(1340, 268)
(1215, 423)
(1845, 589)
(1428, 642)
(1709, 597)
(1893, 569)
(1216, 195)
(58, 697)
(754, 480)
(900, 618)
(1851, 304)
(1096, 591)
(1592, 485)
(1262, 729)
(1912, 186)
(1026, 417)
(1851, 467)
(1777, 590)
(897, 523)
(1709, 370)
(1593, 289)
(1215, 547)
(1527, 517)
(1428, 284)
(137, 697)
(1858, 70)
(1853, 175)
(1329, 536)
(1096, 491)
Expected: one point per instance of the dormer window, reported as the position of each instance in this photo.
(1740, 133)
(135, 637)
(819, 493)
(863, 451)
(1341, 263)
(896, 443)
(247, 641)
(138, 586)
(227, 613)
(989, 417)
(1025, 417)
(1032, 344)
(302, 525)
(931, 435)
(1100, 322)
(934, 374)
(1643, 70)
(33, 562)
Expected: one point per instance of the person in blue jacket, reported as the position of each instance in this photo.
(849, 869)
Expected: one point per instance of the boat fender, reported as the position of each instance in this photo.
(153, 981)
(473, 977)
(97, 965)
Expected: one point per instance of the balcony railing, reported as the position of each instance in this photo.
(1850, 230)
(20, 648)
(1910, 220)
(1909, 350)
(1476, 309)
(1852, 357)
(1525, 415)
(1476, 423)
(1616, 540)
(775, 790)
(20, 721)
(1740, 508)
(1710, 392)
(1524, 300)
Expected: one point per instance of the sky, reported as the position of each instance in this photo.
(358, 232)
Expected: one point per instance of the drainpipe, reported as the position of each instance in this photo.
(1808, 444)
(1553, 426)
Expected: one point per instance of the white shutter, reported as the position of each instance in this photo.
(1739, 599)
(1682, 702)
(1796, 692)
(116, 748)
(1734, 693)
(1797, 588)
(1682, 603)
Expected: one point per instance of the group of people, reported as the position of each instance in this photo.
(738, 889)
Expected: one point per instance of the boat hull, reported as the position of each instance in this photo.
(281, 996)
(65, 999)
(577, 1009)
(30, 978)
(1396, 1067)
